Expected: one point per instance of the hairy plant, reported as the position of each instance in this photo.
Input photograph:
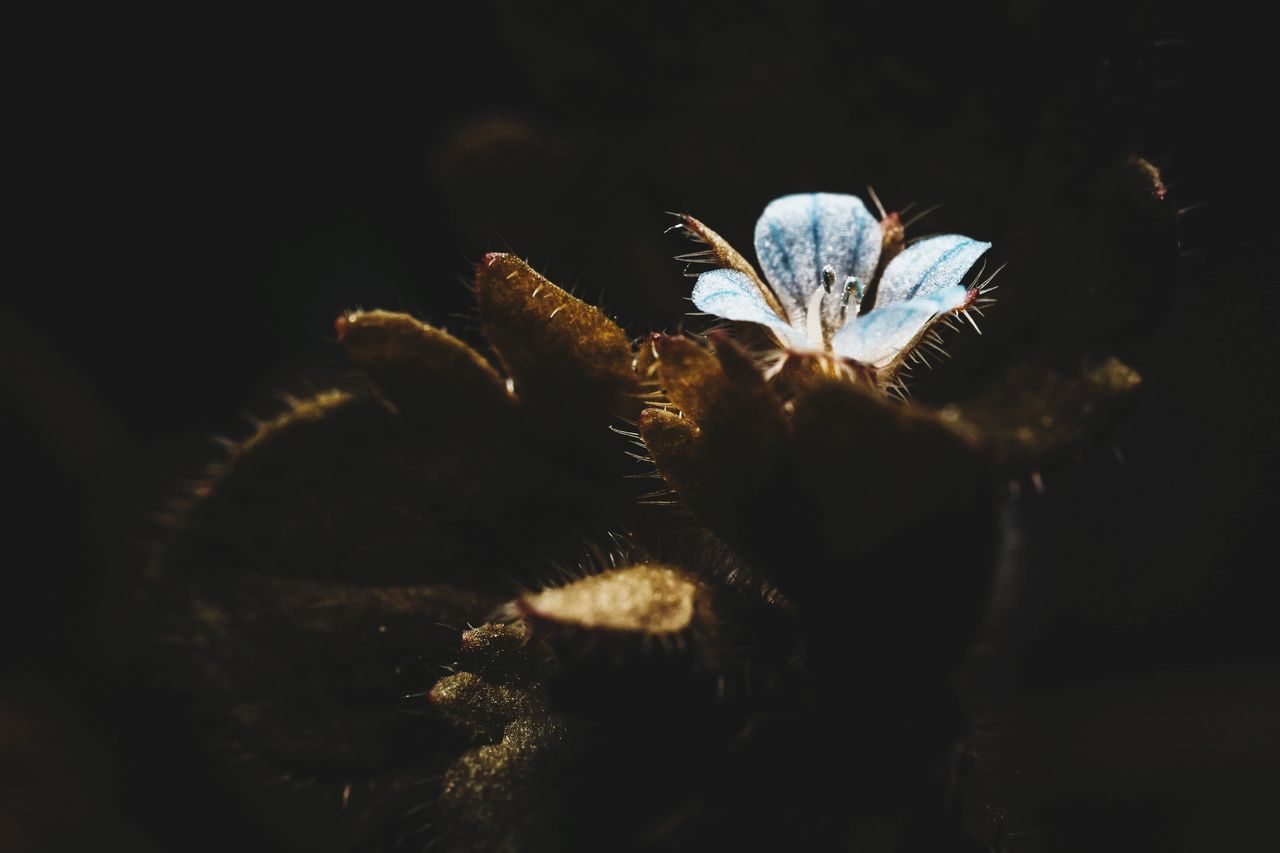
(757, 654)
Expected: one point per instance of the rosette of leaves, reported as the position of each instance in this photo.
(324, 570)
(761, 660)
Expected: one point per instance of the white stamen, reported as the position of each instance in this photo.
(813, 318)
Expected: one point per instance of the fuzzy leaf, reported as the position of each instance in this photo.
(645, 599)
(345, 488)
(638, 643)
(674, 443)
(724, 393)
(1035, 413)
(481, 708)
(312, 676)
(892, 464)
(721, 463)
(568, 360)
(502, 653)
(892, 516)
(421, 370)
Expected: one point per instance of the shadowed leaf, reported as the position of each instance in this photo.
(1035, 413)
(877, 466)
(722, 462)
(312, 676)
(421, 370)
(343, 487)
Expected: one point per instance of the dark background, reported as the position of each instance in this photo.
(202, 195)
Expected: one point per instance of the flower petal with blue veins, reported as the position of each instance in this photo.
(798, 235)
(734, 296)
(927, 268)
(878, 338)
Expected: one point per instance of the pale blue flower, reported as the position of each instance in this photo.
(819, 253)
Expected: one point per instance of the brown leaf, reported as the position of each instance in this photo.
(312, 676)
(568, 360)
(420, 369)
(874, 466)
(723, 392)
(1035, 413)
(346, 488)
(673, 442)
(644, 599)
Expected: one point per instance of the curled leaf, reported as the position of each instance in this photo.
(420, 369)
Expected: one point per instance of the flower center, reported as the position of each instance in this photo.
(852, 289)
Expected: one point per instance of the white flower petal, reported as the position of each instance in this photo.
(734, 296)
(798, 235)
(928, 268)
(879, 337)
